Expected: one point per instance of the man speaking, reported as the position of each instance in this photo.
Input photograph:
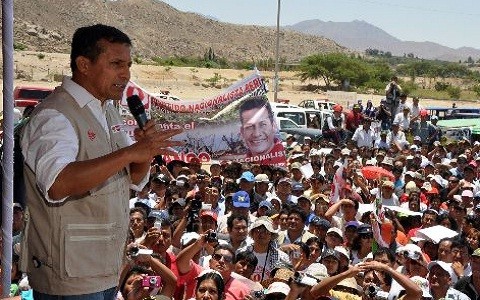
(79, 167)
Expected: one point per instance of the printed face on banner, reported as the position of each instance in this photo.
(258, 130)
(236, 125)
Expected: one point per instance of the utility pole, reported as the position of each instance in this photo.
(277, 49)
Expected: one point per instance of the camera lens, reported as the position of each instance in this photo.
(153, 281)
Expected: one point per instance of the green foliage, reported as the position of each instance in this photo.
(213, 81)
(476, 90)
(409, 87)
(137, 59)
(454, 92)
(441, 86)
(41, 56)
(19, 46)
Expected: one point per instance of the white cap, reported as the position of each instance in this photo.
(187, 237)
(278, 287)
(335, 230)
(446, 266)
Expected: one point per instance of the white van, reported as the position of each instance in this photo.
(306, 118)
(289, 111)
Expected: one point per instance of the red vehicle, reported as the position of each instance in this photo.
(29, 96)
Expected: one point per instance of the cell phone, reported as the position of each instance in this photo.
(152, 282)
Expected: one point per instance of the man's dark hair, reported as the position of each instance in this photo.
(234, 217)
(384, 250)
(305, 248)
(227, 247)
(134, 271)
(459, 242)
(140, 210)
(256, 103)
(298, 211)
(85, 41)
(247, 256)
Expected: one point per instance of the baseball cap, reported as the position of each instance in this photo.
(209, 213)
(467, 193)
(364, 229)
(297, 187)
(266, 204)
(161, 178)
(262, 178)
(248, 176)
(317, 270)
(330, 252)
(388, 183)
(345, 151)
(264, 221)
(337, 108)
(158, 214)
(476, 252)
(445, 266)
(423, 284)
(296, 165)
(335, 231)
(285, 179)
(278, 287)
(318, 221)
(241, 199)
(188, 237)
(352, 223)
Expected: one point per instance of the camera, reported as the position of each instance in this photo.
(304, 279)
(152, 281)
(135, 251)
(211, 237)
(257, 295)
(374, 292)
(193, 213)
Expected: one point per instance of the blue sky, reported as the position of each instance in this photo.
(453, 23)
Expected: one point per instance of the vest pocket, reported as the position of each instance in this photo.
(90, 250)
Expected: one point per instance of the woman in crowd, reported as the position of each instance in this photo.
(138, 218)
(210, 286)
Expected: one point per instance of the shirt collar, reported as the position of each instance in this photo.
(79, 93)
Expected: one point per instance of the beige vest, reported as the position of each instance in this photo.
(76, 247)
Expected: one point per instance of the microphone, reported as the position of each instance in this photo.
(137, 110)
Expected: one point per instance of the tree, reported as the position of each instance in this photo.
(334, 68)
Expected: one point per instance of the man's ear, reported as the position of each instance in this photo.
(83, 64)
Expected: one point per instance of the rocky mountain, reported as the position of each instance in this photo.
(360, 35)
(157, 29)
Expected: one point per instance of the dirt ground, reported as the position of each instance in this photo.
(46, 69)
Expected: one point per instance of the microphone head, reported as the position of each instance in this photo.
(135, 105)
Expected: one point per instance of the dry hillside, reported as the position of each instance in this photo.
(157, 30)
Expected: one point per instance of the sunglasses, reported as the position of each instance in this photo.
(226, 258)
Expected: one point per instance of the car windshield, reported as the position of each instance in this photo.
(287, 123)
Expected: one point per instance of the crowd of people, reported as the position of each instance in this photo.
(352, 216)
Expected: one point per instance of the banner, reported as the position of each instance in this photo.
(236, 125)
(457, 133)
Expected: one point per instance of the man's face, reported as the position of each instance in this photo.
(239, 231)
(164, 240)
(261, 187)
(445, 251)
(460, 254)
(17, 219)
(222, 261)
(438, 277)
(208, 223)
(429, 220)
(258, 131)
(383, 258)
(244, 268)
(106, 77)
(295, 222)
